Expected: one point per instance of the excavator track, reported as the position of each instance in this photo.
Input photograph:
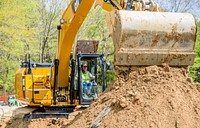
(49, 112)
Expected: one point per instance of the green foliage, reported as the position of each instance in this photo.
(195, 69)
(198, 42)
(95, 28)
(29, 26)
(26, 26)
(17, 32)
(47, 21)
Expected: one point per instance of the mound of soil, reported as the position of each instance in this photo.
(16, 120)
(147, 97)
(36, 123)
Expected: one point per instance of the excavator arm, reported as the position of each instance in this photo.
(70, 23)
(73, 18)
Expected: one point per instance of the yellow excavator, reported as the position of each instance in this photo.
(142, 36)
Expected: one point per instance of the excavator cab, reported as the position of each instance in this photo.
(96, 66)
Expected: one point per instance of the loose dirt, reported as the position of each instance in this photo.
(15, 117)
(148, 97)
(35, 123)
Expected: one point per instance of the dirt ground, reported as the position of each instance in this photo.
(147, 97)
(13, 119)
(36, 123)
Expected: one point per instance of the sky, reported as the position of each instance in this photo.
(190, 6)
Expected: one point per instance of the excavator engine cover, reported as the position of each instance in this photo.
(152, 38)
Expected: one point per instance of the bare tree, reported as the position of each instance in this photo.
(191, 6)
(50, 11)
(178, 5)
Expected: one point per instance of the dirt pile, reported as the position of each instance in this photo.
(16, 121)
(148, 97)
(35, 123)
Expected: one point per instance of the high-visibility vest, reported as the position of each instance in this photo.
(85, 77)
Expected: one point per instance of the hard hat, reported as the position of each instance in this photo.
(84, 65)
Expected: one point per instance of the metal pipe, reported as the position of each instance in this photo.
(79, 80)
(74, 51)
(29, 64)
(72, 80)
(103, 73)
(128, 4)
(56, 64)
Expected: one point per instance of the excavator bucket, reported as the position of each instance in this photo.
(152, 38)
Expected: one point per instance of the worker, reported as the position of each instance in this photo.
(86, 80)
